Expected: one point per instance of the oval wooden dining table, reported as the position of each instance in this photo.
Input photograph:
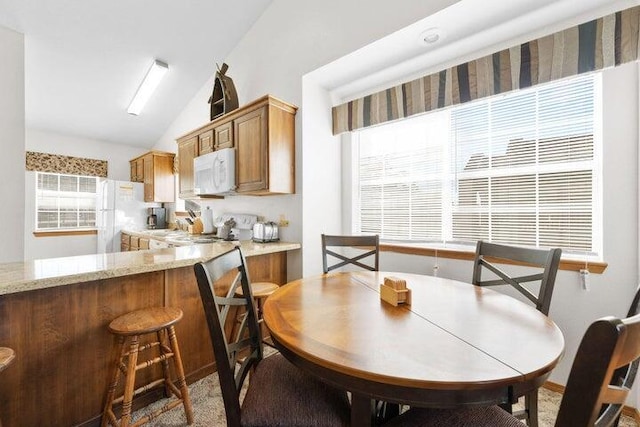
(455, 345)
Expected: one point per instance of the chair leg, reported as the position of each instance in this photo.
(182, 383)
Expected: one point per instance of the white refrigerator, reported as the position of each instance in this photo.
(120, 206)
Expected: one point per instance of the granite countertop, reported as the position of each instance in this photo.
(46, 273)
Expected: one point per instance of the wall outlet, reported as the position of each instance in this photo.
(283, 222)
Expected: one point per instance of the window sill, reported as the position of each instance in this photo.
(466, 255)
(58, 233)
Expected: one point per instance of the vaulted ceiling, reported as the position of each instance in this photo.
(84, 59)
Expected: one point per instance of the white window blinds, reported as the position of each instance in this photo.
(517, 169)
(65, 201)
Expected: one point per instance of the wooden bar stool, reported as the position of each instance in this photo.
(260, 291)
(6, 357)
(161, 321)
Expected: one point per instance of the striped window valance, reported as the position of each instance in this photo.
(55, 163)
(605, 42)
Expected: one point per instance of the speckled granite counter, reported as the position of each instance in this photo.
(51, 272)
(54, 313)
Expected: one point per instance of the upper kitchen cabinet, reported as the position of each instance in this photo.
(137, 169)
(187, 151)
(263, 134)
(155, 169)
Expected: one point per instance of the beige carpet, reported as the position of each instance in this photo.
(209, 409)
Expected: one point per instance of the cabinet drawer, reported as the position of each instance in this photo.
(125, 239)
(205, 142)
(135, 243)
(143, 243)
(223, 136)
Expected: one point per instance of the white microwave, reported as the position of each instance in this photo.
(214, 173)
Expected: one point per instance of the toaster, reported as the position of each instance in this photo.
(265, 232)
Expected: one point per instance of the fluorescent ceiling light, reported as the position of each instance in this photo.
(149, 84)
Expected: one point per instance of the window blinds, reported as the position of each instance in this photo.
(516, 169)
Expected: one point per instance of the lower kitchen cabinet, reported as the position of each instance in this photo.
(64, 350)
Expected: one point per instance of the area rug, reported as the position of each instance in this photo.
(209, 410)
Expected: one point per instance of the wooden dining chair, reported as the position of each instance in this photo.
(278, 393)
(366, 246)
(601, 377)
(546, 262)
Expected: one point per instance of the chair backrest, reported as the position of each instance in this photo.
(237, 346)
(369, 244)
(547, 261)
(625, 375)
(596, 391)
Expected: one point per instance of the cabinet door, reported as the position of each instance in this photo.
(148, 178)
(187, 151)
(124, 242)
(134, 171)
(143, 243)
(139, 170)
(223, 136)
(205, 142)
(163, 178)
(250, 133)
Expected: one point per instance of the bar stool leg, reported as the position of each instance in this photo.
(165, 363)
(129, 382)
(182, 383)
(115, 376)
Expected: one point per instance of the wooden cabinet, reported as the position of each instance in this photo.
(205, 142)
(187, 151)
(132, 243)
(263, 134)
(223, 136)
(251, 151)
(143, 243)
(64, 349)
(155, 170)
(137, 169)
(125, 242)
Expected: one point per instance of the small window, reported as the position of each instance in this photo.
(521, 168)
(65, 202)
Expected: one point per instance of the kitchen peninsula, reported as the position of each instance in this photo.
(54, 313)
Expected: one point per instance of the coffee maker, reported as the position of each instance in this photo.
(156, 218)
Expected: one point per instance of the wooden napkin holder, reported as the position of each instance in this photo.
(394, 291)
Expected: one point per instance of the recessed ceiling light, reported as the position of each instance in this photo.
(430, 36)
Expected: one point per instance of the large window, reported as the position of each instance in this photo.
(521, 168)
(65, 202)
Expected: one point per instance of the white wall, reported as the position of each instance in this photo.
(116, 155)
(290, 39)
(12, 161)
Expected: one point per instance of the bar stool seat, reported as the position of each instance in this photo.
(6, 357)
(129, 327)
(260, 289)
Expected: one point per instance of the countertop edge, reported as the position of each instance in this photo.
(53, 272)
